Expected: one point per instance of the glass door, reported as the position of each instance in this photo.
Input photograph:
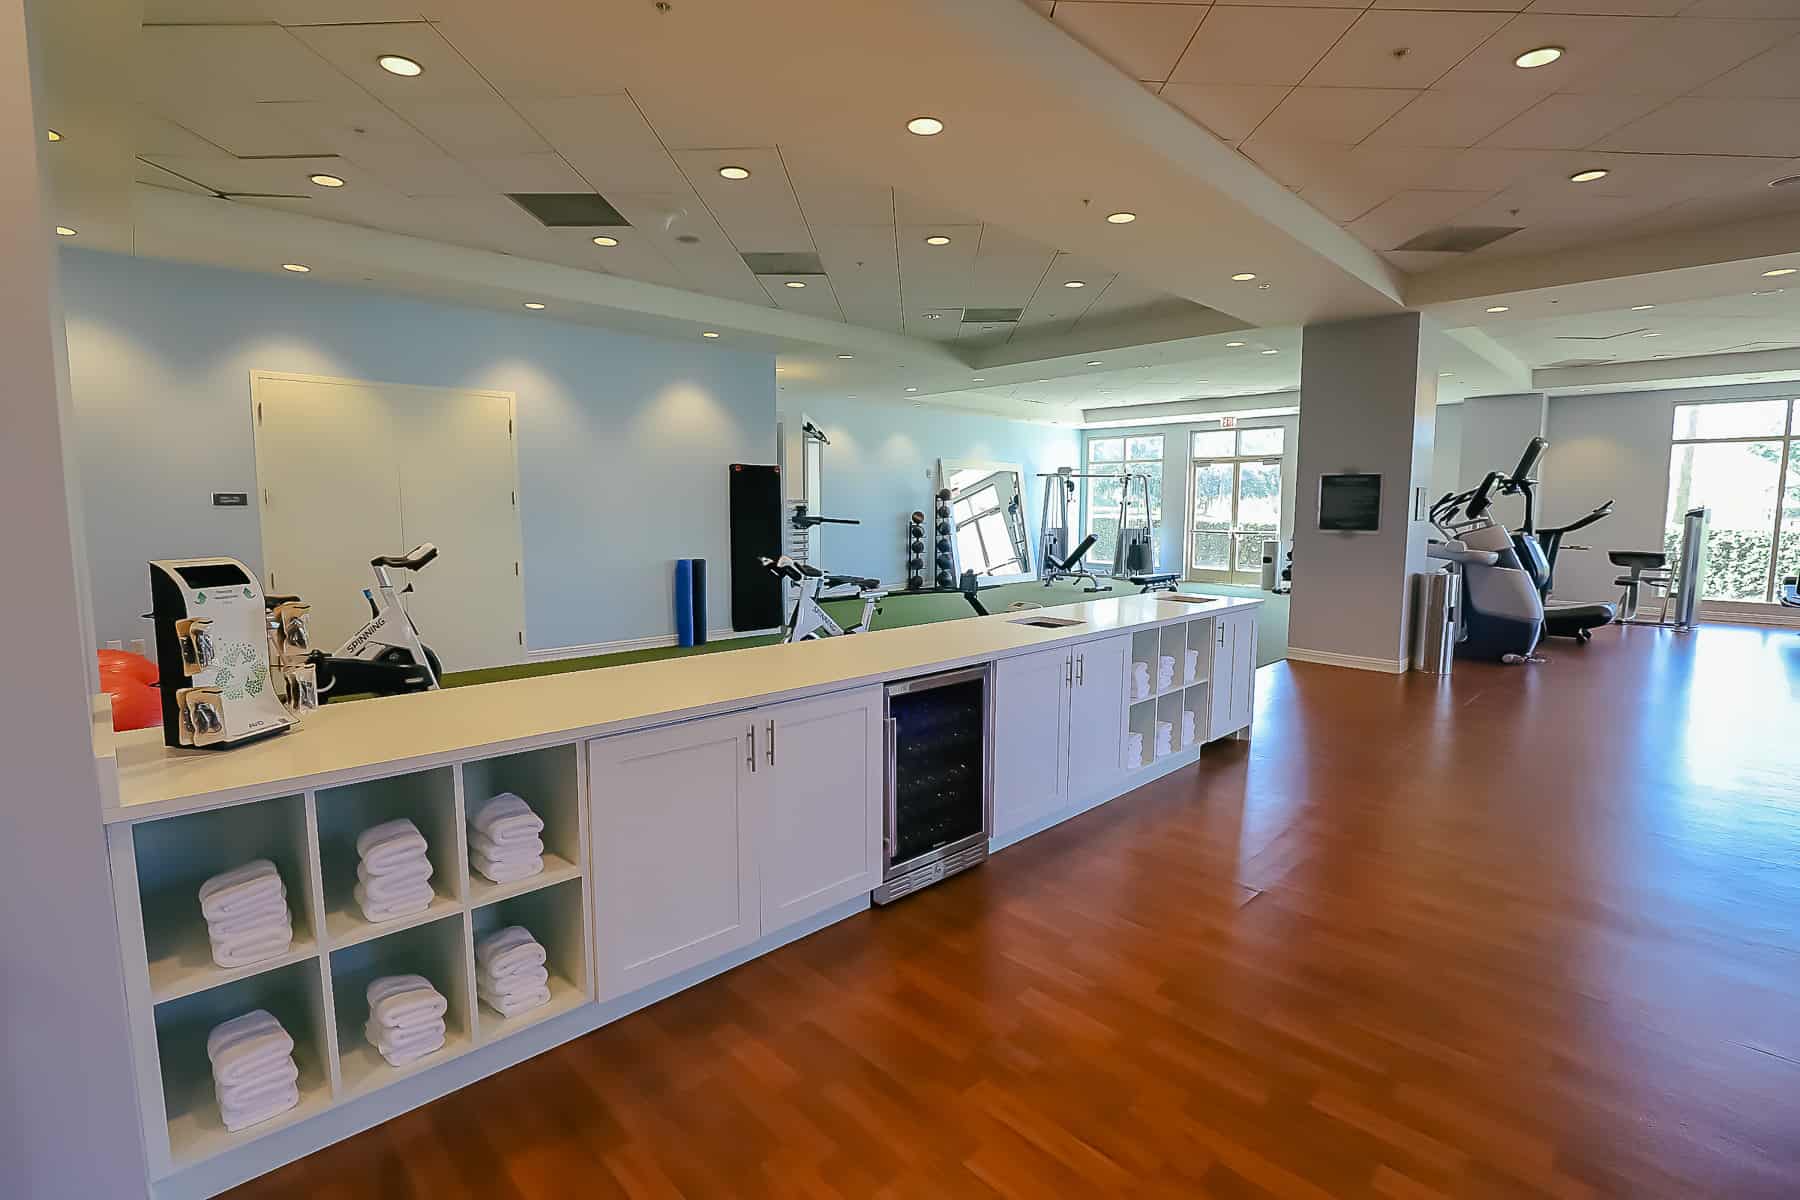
(1236, 503)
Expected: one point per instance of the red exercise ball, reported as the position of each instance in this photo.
(134, 705)
(128, 665)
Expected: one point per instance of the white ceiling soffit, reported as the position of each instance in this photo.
(1262, 404)
(1475, 359)
(1660, 374)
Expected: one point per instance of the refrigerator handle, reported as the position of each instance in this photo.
(890, 728)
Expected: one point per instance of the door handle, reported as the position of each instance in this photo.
(771, 743)
(751, 757)
(890, 738)
(1219, 628)
(1069, 671)
(1080, 670)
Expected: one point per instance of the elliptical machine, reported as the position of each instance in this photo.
(1502, 611)
(1537, 550)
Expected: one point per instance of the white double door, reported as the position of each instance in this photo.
(1059, 729)
(348, 470)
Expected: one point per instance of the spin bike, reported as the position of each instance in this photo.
(386, 657)
(809, 620)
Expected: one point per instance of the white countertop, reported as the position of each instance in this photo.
(371, 738)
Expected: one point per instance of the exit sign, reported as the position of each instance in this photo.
(1227, 422)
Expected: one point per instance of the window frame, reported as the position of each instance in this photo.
(1234, 572)
(1121, 466)
(1786, 439)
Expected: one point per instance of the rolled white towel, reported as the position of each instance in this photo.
(1192, 666)
(238, 1117)
(512, 1004)
(246, 1093)
(403, 886)
(1134, 750)
(400, 1058)
(507, 818)
(391, 843)
(389, 1041)
(393, 907)
(1188, 727)
(523, 850)
(508, 950)
(517, 981)
(256, 1023)
(506, 872)
(252, 946)
(1140, 667)
(398, 1000)
(241, 889)
(401, 870)
(271, 912)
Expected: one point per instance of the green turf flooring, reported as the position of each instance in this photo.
(899, 609)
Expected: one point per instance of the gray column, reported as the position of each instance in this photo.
(68, 1108)
(1368, 394)
(1495, 430)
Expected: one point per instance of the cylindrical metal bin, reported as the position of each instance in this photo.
(1436, 599)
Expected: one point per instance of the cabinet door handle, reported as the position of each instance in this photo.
(890, 803)
(751, 757)
(1080, 670)
(1220, 630)
(1069, 671)
(771, 743)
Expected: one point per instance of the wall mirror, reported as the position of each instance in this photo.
(987, 508)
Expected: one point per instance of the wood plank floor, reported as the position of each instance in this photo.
(1535, 932)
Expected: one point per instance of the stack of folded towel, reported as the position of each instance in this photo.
(1134, 750)
(1165, 738)
(247, 914)
(503, 839)
(1140, 681)
(1187, 727)
(406, 1018)
(1165, 672)
(394, 876)
(1192, 671)
(510, 975)
(254, 1075)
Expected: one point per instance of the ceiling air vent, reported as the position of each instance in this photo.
(1459, 239)
(783, 263)
(991, 316)
(561, 210)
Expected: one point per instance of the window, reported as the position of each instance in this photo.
(983, 544)
(1140, 455)
(1236, 501)
(1738, 459)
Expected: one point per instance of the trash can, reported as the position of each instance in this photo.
(1436, 597)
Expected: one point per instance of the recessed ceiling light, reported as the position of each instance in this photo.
(979, 379)
(1443, 374)
(1498, 308)
(1589, 175)
(399, 64)
(1271, 352)
(1642, 307)
(1073, 283)
(734, 172)
(937, 239)
(709, 334)
(932, 316)
(52, 135)
(1784, 181)
(925, 126)
(779, 370)
(795, 283)
(912, 389)
(1094, 362)
(64, 231)
(1769, 292)
(535, 305)
(296, 268)
(1243, 277)
(846, 356)
(603, 240)
(1778, 272)
(1543, 56)
(1234, 345)
(327, 181)
(1652, 333)
(1121, 218)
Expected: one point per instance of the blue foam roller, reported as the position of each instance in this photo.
(684, 602)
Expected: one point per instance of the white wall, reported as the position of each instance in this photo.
(623, 440)
(882, 464)
(1446, 451)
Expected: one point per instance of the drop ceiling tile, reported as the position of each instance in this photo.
(758, 213)
(633, 258)
(1339, 115)
(354, 49)
(473, 128)
(1406, 215)
(1695, 125)
(1142, 40)
(186, 64)
(1613, 8)
(1590, 43)
(1565, 122)
(1415, 262)
(816, 299)
(1774, 74)
(424, 171)
(245, 130)
(545, 172)
(911, 209)
(148, 172)
(1356, 4)
(1007, 270)
(520, 64)
(1344, 203)
(711, 264)
(1453, 119)
(153, 136)
(343, 12)
(863, 263)
(204, 12)
(1747, 10)
(606, 139)
(1229, 110)
(1260, 45)
(829, 197)
(933, 277)
(1488, 170)
(1675, 57)
(1433, 43)
(240, 175)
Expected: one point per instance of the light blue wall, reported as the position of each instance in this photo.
(623, 440)
(882, 464)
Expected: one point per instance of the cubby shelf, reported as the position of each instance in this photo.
(189, 968)
(346, 927)
(557, 869)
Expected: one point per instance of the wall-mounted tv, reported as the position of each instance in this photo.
(1350, 502)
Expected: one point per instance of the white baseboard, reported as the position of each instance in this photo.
(1739, 613)
(1358, 662)
(558, 653)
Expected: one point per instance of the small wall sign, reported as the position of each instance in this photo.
(231, 499)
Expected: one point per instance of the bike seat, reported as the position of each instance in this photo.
(856, 580)
(1638, 560)
(412, 560)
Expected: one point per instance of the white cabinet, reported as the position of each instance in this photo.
(1059, 725)
(1233, 673)
(820, 774)
(711, 833)
(673, 816)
